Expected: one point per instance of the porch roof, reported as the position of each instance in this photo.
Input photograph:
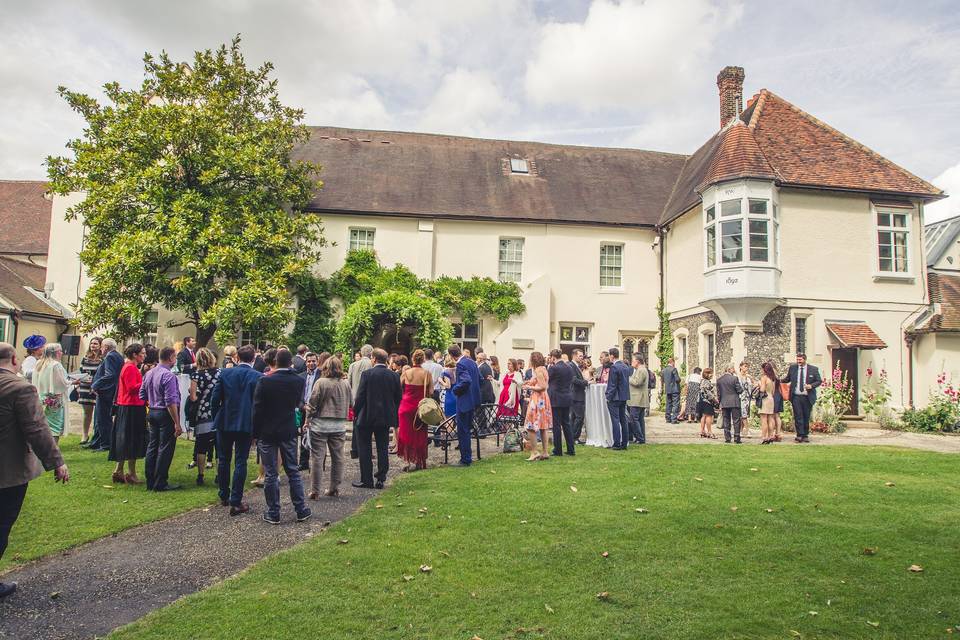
(857, 335)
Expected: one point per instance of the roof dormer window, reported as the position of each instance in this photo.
(519, 165)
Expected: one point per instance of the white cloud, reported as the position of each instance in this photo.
(466, 103)
(949, 181)
(626, 55)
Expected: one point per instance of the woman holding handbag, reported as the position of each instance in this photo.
(510, 393)
(411, 440)
(707, 404)
(766, 389)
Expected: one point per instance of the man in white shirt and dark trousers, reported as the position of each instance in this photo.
(804, 379)
(310, 374)
(435, 369)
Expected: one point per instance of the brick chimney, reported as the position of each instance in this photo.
(730, 83)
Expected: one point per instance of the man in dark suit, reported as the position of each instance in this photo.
(104, 384)
(375, 409)
(310, 376)
(300, 360)
(578, 407)
(467, 391)
(187, 358)
(804, 379)
(618, 392)
(259, 364)
(728, 391)
(671, 389)
(486, 378)
(560, 391)
(232, 405)
(276, 400)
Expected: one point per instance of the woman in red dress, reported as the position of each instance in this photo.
(511, 392)
(412, 442)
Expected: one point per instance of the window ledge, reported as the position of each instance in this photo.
(611, 290)
(894, 277)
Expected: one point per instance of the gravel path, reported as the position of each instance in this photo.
(94, 588)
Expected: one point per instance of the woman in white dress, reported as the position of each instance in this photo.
(53, 385)
(746, 397)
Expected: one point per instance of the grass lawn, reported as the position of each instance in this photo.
(745, 542)
(90, 506)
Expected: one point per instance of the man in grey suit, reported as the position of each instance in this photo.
(639, 400)
(729, 390)
(671, 388)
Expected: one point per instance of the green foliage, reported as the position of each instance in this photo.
(362, 274)
(192, 200)
(664, 349)
(398, 307)
(942, 413)
(313, 325)
(875, 396)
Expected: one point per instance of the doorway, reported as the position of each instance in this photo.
(847, 360)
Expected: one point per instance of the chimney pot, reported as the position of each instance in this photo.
(730, 83)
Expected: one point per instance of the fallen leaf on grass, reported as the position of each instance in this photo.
(605, 554)
(548, 608)
(473, 594)
(55, 595)
(795, 633)
(444, 553)
(718, 526)
(915, 568)
(573, 488)
(476, 638)
(342, 541)
(873, 624)
(769, 510)
(699, 479)
(523, 522)
(641, 510)
(734, 509)
(107, 486)
(422, 509)
(378, 506)
(425, 568)
(814, 613)
(493, 472)
(754, 469)
(407, 578)
(603, 595)
(869, 551)
(399, 504)
(889, 484)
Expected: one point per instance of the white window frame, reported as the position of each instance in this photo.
(510, 261)
(576, 329)
(744, 192)
(703, 353)
(355, 244)
(152, 336)
(681, 338)
(623, 252)
(906, 230)
(461, 338)
(4, 329)
(520, 166)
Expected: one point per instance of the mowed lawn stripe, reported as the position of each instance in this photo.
(514, 552)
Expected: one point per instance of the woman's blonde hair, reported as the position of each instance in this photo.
(418, 357)
(206, 359)
(49, 355)
(230, 351)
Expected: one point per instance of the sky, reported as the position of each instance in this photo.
(628, 73)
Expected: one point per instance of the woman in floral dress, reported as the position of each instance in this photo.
(539, 414)
(53, 385)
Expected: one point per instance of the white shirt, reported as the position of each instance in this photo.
(27, 366)
(311, 378)
(436, 370)
(802, 379)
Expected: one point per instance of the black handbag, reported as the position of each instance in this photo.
(74, 395)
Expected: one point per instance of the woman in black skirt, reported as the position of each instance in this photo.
(708, 403)
(129, 441)
(87, 400)
(202, 382)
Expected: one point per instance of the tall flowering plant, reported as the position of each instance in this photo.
(875, 396)
(833, 401)
(942, 413)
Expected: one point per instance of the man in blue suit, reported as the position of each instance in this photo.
(232, 405)
(467, 390)
(618, 392)
(804, 379)
(105, 382)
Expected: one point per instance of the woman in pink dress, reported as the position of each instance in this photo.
(510, 393)
(412, 442)
(539, 413)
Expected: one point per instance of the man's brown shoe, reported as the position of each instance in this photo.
(242, 508)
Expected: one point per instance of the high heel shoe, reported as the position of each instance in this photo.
(118, 477)
(129, 479)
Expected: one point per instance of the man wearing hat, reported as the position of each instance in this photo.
(34, 346)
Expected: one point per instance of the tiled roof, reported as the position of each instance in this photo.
(775, 140)
(15, 277)
(24, 217)
(391, 173)
(944, 290)
(856, 334)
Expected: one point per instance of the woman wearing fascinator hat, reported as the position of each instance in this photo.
(34, 345)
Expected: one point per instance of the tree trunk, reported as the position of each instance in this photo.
(204, 334)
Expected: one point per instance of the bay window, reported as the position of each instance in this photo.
(747, 228)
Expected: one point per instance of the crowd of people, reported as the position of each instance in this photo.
(296, 407)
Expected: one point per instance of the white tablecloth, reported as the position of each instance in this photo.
(183, 381)
(597, 419)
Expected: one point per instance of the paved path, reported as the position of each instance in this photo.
(94, 588)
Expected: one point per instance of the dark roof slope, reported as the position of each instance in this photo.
(24, 217)
(14, 277)
(420, 174)
(775, 140)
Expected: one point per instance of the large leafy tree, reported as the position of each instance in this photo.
(192, 200)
